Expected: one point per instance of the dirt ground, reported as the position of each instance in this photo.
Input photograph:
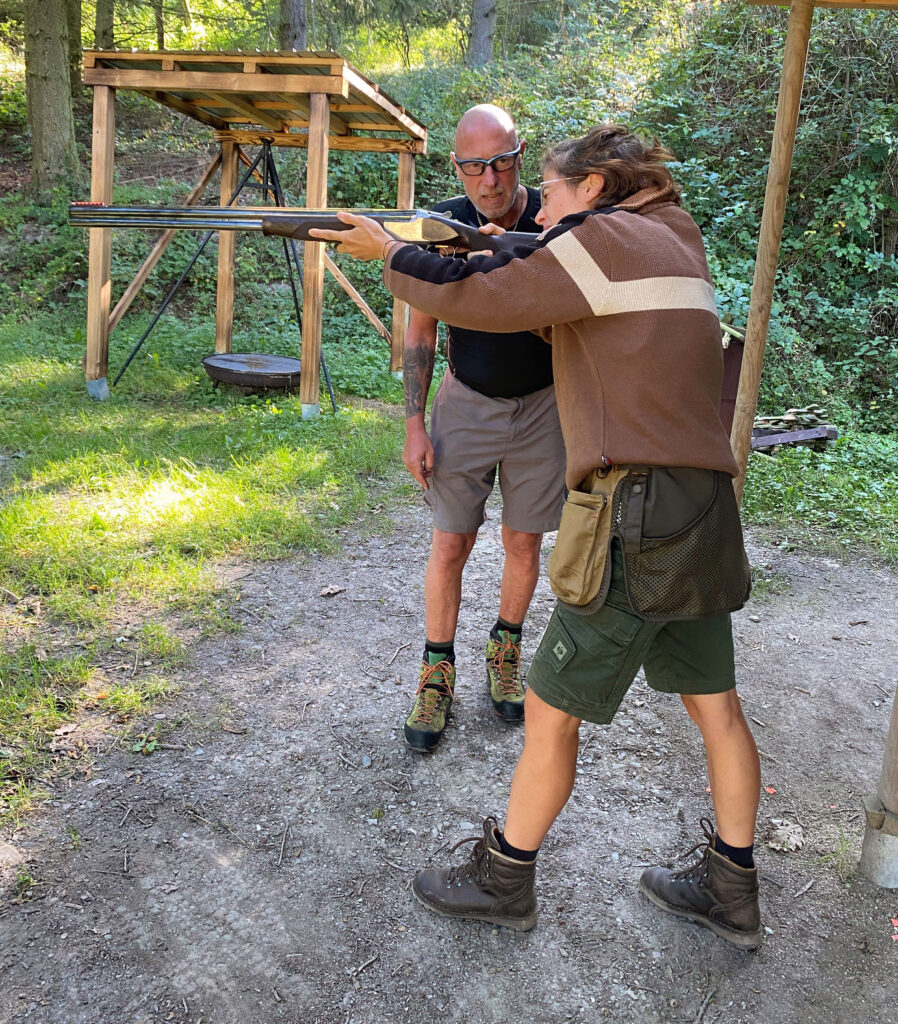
(258, 868)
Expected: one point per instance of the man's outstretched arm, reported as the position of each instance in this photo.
(417, 373)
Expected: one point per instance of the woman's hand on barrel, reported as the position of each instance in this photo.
(365, 239)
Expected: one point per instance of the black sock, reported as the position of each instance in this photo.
(514, 852)
(742, 856)
(514, 628)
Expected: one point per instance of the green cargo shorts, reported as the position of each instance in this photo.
(585, 663)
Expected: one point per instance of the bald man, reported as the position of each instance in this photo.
(494, 413)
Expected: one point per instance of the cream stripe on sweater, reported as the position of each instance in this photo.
(606, 297)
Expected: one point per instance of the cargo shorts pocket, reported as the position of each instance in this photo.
(577, 562)
(556, 647)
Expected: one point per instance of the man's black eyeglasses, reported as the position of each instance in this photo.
(502, 162)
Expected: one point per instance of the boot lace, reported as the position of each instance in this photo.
(433, 687)
(477, 866)
(699, 870)
(506, 661)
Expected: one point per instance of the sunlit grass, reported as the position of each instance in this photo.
(139, 496)
(131, 699)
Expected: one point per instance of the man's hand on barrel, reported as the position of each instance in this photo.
(365, 239)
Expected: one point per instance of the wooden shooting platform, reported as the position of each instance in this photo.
(312, 100)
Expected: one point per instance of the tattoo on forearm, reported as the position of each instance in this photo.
(417, 373)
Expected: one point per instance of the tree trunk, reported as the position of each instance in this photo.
(293, 30)
(104, 36)
(483, 27)
(73, 17)
(54, 158)
(160, 24)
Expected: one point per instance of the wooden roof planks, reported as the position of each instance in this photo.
(248, 96)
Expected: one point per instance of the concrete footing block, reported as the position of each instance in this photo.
(879, 858)
(98, 389)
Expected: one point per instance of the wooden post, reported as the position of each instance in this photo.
(405, 200)
(879, 857)
(99, 285)
(794, 60)
(313, 262)
(227, 246)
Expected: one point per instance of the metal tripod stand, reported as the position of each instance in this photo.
(271, 186)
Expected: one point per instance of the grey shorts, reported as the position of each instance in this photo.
(585, 663)
(473, 437)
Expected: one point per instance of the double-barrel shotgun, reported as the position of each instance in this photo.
(420, 227)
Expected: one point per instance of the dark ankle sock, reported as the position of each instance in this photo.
(742, 856)
(514, 852)
(514, 628)
(434, 653)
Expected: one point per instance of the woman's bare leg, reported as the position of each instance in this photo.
(544, 776)
(734, 769)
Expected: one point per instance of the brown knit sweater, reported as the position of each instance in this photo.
(625, 298)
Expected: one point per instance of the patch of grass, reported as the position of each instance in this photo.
(766, 584)
(843, 857)
(138, 496)
(137, 697)
(156, 641)
(136, 501)
(23, 884)
(38, 693)
(841, 498)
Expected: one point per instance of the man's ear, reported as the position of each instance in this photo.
(455, 166)
(523, 144)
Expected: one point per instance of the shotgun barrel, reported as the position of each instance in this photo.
(420, 227)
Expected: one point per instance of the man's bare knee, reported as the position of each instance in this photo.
(451, 549)
(521, 545)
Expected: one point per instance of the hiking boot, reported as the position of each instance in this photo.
(503, 676)
(488, 887)
(715, 893)
(424, 726)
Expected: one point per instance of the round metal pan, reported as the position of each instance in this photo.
(253, 369)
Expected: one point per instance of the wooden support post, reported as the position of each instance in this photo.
(313, 262)
(405, 200)
(227, 246)
(879, 857)
(99, 285)
(795, 57)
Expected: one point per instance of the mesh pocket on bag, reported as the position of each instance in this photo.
(701, 571)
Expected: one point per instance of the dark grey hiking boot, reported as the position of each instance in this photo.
(714, 892)
(488, 887)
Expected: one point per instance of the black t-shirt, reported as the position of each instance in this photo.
(498, 365)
